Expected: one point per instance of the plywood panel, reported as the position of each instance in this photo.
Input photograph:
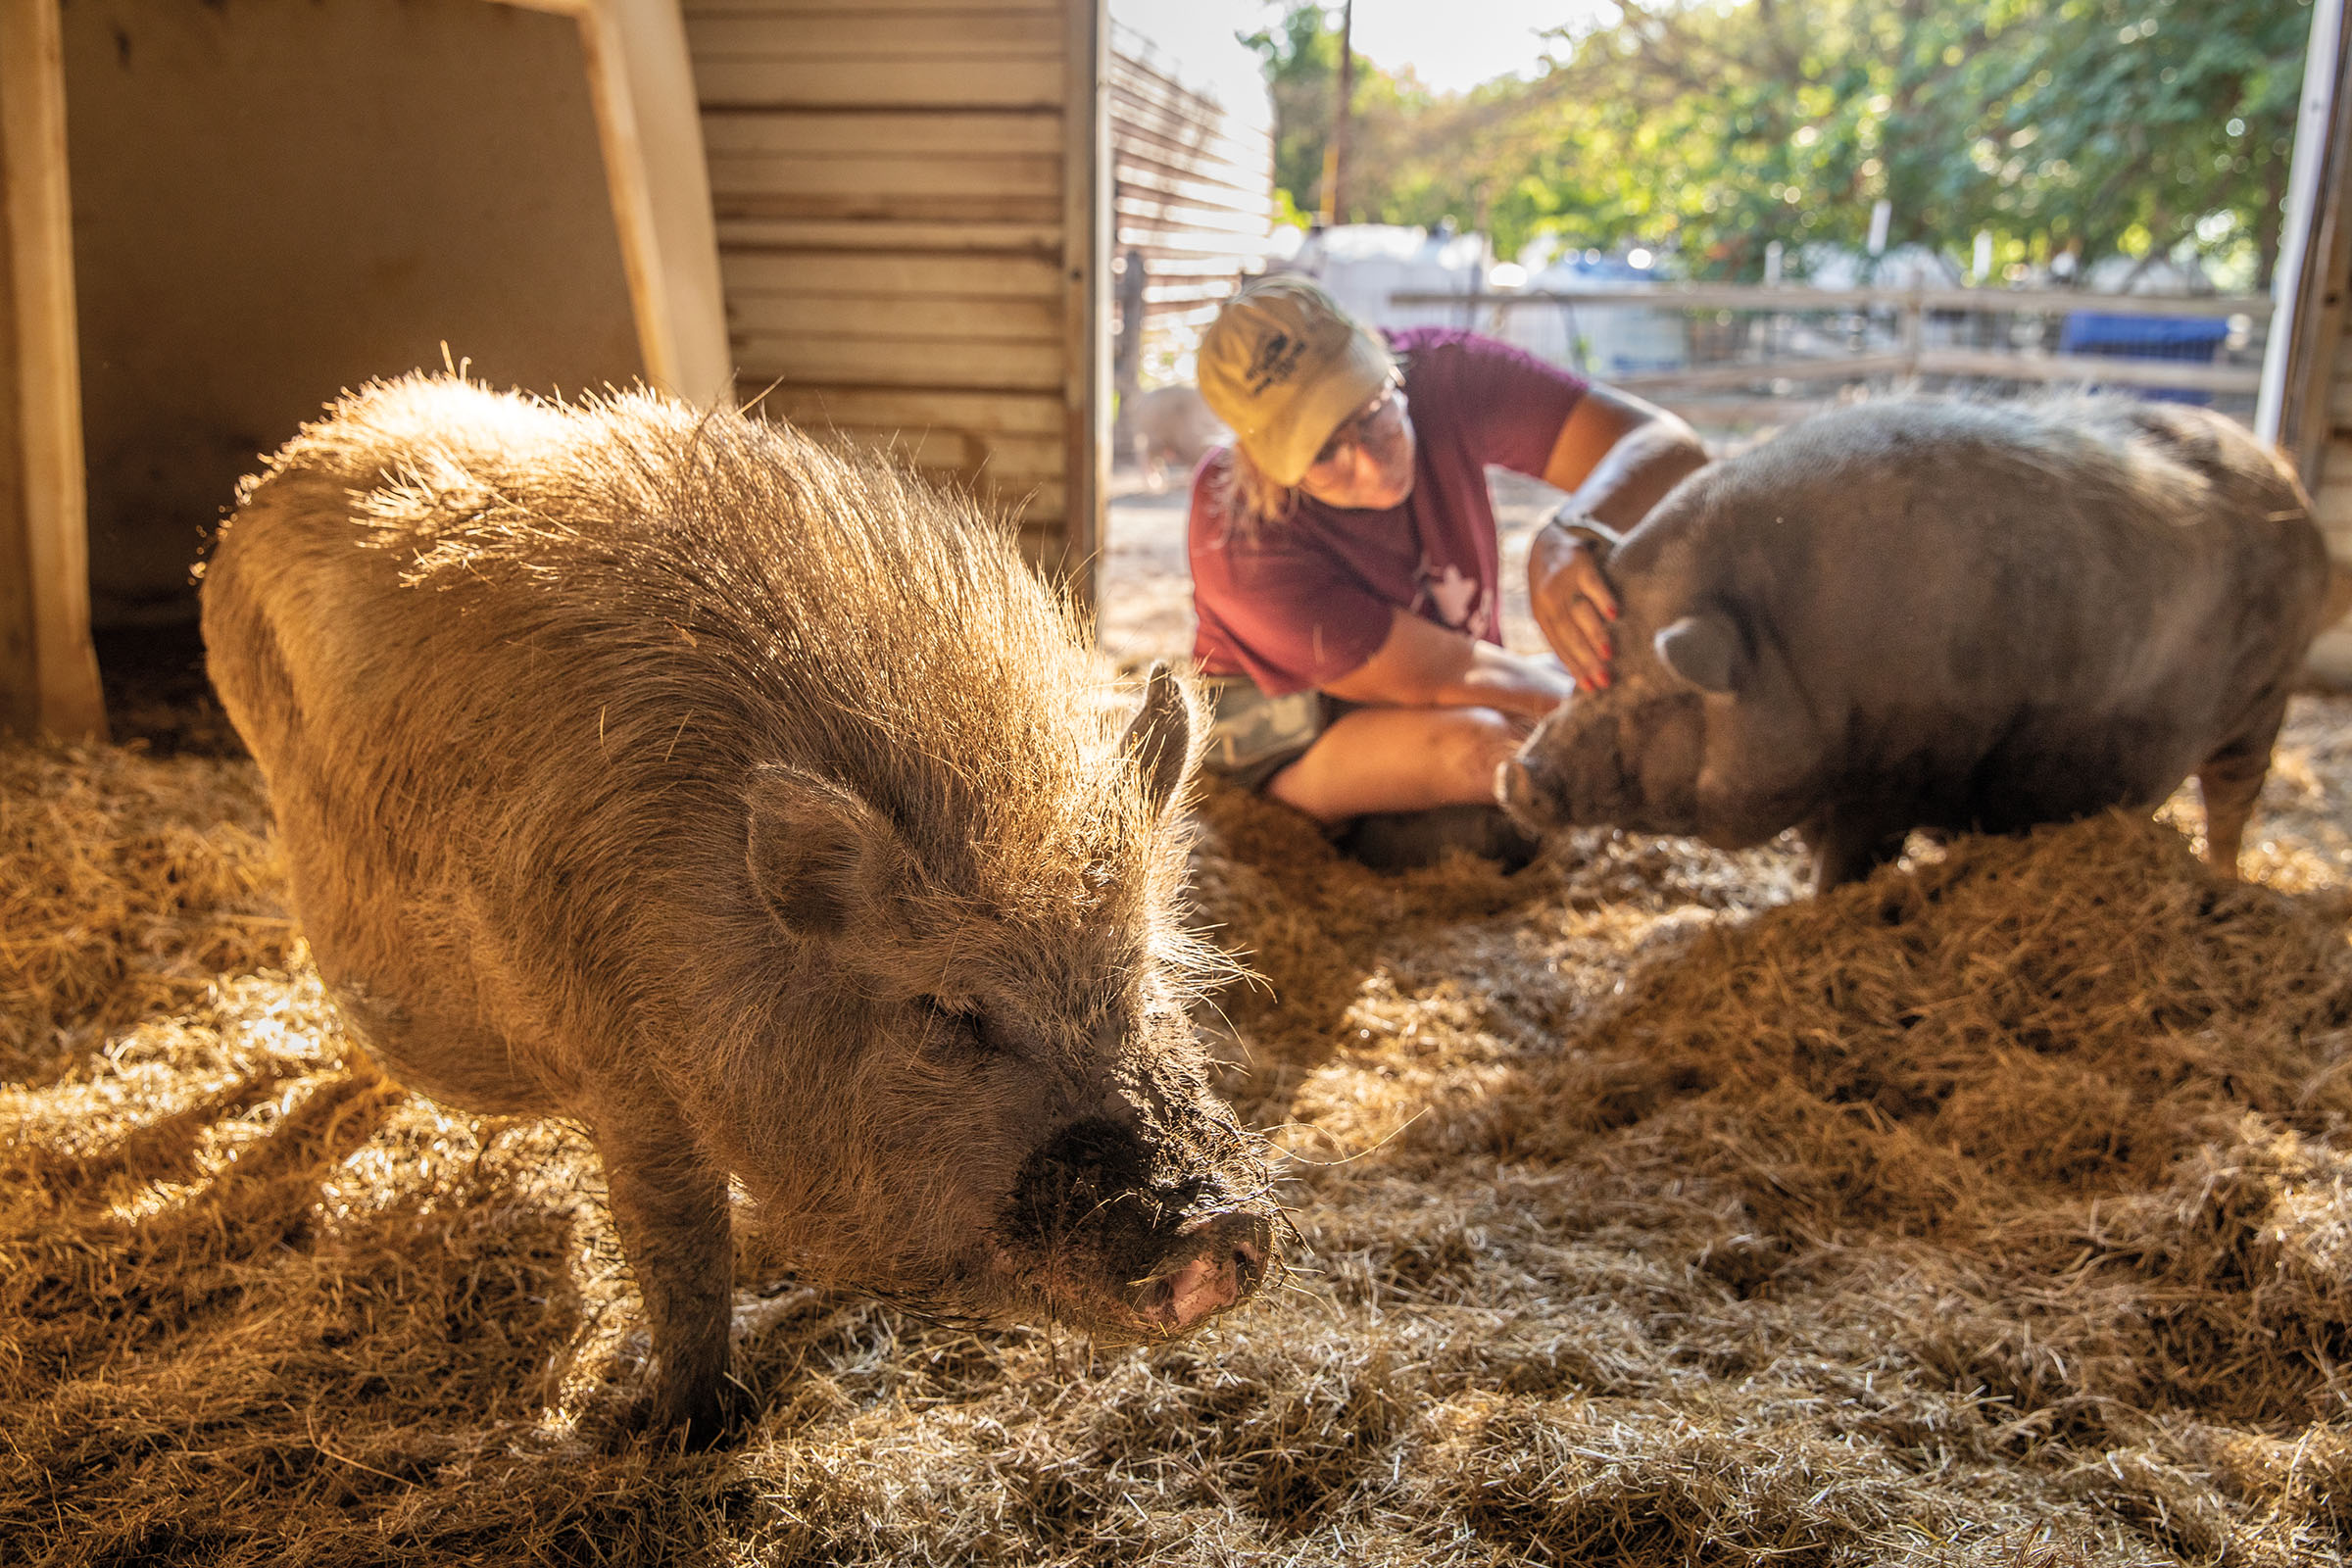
(263, 215)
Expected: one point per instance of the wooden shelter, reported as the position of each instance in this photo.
(217, 216)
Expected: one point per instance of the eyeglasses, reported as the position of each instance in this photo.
(1360, 428)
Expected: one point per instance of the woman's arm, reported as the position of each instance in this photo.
(1617, 456)
(1423, 664)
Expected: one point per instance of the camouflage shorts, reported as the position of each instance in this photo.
(1251, 737)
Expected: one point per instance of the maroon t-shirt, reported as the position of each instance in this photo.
(1308, 598)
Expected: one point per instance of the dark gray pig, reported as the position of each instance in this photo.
(1951, 615)
(750, 802)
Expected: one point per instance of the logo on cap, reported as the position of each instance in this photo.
(1276, 358)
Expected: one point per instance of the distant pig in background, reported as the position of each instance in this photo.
(1956, 615)
(748, 802)
(1172, 424)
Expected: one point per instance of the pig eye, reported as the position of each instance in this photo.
(952, 1029)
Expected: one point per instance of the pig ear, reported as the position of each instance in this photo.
(818, 855)
(1160, 738)
(1705, 650)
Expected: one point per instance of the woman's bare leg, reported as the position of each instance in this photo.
(1398, 759)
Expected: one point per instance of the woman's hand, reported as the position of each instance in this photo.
(1572, 600)
(1423, 664)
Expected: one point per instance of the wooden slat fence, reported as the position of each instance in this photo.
(1894, 345)
(1193, 197)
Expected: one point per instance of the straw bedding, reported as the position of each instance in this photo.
(1997, 1211)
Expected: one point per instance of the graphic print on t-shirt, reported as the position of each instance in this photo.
(1458, 599)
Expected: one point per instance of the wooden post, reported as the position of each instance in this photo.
(1335, 151)
(48, 668)
(1085, 271)
(2307, 323)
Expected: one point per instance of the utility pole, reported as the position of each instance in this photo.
(1334, 148)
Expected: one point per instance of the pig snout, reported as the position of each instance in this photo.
(1217, 1263)
(1528, 791)
(1133, 1235)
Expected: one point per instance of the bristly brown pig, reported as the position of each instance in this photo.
(746, 800)
(1945, 615)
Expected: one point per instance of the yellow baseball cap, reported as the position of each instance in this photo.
(1283, 366)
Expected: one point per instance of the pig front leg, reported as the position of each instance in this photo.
(671, 1212)
(1848, 845)
(2229, 782)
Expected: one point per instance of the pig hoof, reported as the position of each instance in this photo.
(692, 1420)
(1223, 1262)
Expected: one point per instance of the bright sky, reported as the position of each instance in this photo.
(1456, 44)
(1450, 44)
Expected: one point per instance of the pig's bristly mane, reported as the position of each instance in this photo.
(724, 571)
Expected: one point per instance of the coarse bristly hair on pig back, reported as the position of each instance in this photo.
(807, 602)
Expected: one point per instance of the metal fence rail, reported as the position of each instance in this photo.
(1905, 351)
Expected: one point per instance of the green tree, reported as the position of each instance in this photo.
(1391, 120)
(1301, 57)
(2085, 126)
(2136, 125)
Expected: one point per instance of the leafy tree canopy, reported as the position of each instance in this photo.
(2082, 127)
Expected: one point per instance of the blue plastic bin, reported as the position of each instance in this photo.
(2191, 339)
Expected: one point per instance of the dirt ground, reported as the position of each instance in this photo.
(1998, 1210)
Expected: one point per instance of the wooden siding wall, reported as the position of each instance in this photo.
(2334, 497)
(1192, 191)
(2331, 503)
(903, 193)
(2320, 435)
